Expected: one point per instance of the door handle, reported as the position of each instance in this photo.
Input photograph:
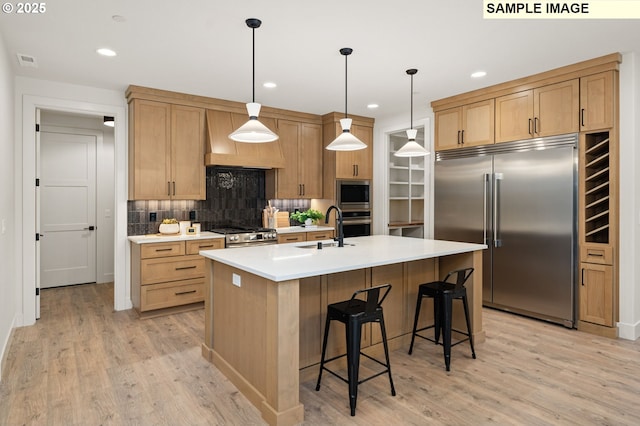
(496, 203)
(485, 184)
(90, 228)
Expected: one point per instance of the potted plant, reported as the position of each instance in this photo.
(309, 217)
(169, 226)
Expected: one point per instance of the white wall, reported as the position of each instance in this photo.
(9, 286)
(105, 167)
(31, 94)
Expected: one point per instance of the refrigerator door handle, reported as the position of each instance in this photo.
(496, 203)
(485, 185)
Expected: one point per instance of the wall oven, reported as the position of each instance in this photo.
(353, 194)
(356, 223)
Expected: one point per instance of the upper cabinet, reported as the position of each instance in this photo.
(597, 100)
(467, 125)
(301, 176)
(356, 165)
(544, 111)
(166, 151)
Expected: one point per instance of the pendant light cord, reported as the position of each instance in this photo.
(412, 101)
(345, 86)
(253, 61)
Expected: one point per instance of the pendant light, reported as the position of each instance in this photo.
(411, 148)
(346, 141)
(109, 121)
(253, 131)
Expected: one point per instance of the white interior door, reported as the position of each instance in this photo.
(67, 209)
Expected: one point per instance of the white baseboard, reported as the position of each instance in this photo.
(6, 345)
(629, 331)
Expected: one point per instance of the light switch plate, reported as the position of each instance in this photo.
(236, 280)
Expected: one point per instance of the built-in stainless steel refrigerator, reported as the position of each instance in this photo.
(519, 198)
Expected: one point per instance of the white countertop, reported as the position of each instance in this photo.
(292, 229)
(281, 262)
(161, 238)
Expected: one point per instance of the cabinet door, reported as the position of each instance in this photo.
(288, 184)
(310, 160)
(596, 294)
(514, 116)
(556, 109)
(363, 158)
(597, 101)
(187, 153)
(150, 151)
(478, 123)
(448, 127)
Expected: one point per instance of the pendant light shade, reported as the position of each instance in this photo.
(109, 121)
(253, 131)
(411, 148)
(346, 141)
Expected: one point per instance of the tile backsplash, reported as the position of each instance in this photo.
(235, 197)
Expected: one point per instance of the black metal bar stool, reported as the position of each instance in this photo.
(443, 293)
(353, 313)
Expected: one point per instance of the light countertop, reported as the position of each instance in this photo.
(281, 262)
(294, 229)
(160, 238)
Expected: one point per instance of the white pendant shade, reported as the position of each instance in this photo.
(253, 131)
(411, 148)
(346, 141)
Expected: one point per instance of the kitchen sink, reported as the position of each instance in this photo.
(324, 245)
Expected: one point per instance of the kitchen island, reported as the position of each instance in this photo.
(265, 307)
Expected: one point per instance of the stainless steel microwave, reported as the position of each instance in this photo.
(353, 194)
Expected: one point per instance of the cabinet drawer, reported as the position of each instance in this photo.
(601, 255)
(165, 295)
(194, 247)
(292, 238)
(162, 270)
(150, 251)
(319, 235)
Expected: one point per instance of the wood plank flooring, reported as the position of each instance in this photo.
(83, 364)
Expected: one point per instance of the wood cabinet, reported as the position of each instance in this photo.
(166, 151)
(467, 125)
(297, 237)
(301, 176)
(167, 277)
(598, 96)
(596, 294)
(544, 111)
(346, 164)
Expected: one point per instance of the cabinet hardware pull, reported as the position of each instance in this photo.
(164, 249)
(292, 239)
(458, 138)
(186, 267)
(302, 189)
(595, 254)
(179, 293)
(169, 189)
(530, 132)
(535, 125)
(354, 169)
(582, 117)
(357, 170)
(206, 246)
(582, 278)
(174, 187)
(462, 137)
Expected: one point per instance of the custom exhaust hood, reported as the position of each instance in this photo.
(222, 151)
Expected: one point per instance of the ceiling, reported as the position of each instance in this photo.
(203, 47)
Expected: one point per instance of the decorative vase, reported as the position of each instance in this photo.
(169, 228)
(308, 222)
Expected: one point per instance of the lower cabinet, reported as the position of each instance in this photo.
(596, 294)
(169, 275)
(298, 237)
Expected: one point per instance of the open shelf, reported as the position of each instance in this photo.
(597, 187)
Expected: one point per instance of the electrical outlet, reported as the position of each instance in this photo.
(192, 215)
(153, 216)
(236, 280)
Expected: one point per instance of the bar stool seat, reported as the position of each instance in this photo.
(353, 313)
(443, 292)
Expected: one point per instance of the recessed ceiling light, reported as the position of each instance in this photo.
(269, 85)
(372, 106)
(479, 74)
(106, 52)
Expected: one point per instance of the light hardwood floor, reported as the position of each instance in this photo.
(83, 364)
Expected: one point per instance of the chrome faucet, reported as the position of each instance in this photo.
(340, 237)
